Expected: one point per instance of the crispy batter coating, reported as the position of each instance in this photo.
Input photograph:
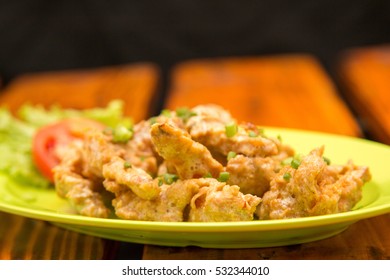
(219, 202)
(211, 132)
(84, 194)
(140, 182)
(169, 206)
(98, 150)
(252, 174)
(190, 159)
(140, 150)
(313, 189)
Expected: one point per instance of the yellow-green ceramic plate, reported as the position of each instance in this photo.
(45, 205)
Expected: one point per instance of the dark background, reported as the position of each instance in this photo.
(42, 35)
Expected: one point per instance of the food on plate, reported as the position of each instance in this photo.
(193, 165)
(311, 187)
(199, 165)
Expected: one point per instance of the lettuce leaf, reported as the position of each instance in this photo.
(16, 135)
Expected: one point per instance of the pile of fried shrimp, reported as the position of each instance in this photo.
(201, 165)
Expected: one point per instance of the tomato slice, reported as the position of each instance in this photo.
(50, 137)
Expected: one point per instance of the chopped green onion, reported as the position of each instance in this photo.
(287, 161)
(208, 175)
(184, 113)
(223, 176)
(287, 176)
(166, 113)
(152, 120)
(326, 160)
(122, 134)
(127, 122)
(108, 131)
(160, 182)
(126, 164)
(231, 129)
(231, 155)
(170, 178)
(279, 137)
(295, 163)
(252, 134)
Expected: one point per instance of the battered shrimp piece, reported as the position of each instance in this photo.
(213, 111)
(84, 194)
(138, 180)
(79, 176)
(140, 151)
(190, 159)
(169, 206)
(348, 186)
(98, 149)
(313, 188)
(252, 174)
(218, 202)
(211, 132)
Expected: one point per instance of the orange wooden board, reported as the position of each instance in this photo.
(365, 74)
(285, 91)
(136, 84)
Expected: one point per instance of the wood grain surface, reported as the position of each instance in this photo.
(365, 75)
(284, 91)
(79, 89)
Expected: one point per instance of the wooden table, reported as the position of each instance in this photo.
(286, 91)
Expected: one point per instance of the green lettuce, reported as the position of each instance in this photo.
(16, 135)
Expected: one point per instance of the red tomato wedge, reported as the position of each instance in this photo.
(48, 138)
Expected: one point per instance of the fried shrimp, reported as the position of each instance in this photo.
(138, 180)
(313, 188)
(190, 159)
(168, 206)
(201, 165)
(84, 194)
(219, 202)
(246, 139)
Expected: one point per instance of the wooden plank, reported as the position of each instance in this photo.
(284, 91)
(287, 91)
(365, 75)
(22, 238)
(135, 84)
(365, 240)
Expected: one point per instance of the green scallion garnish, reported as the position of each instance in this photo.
(166, 113)
(287, 176)
(223, 176)
(184, 113)
(295, 163)
(126, 164)
(231, 155)
(253, 134)
(327, 160)
(170, 178)
(122, 134)
(231, 129)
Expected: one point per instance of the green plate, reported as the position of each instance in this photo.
(45, 205)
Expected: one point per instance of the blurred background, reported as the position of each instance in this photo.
(43, 35)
